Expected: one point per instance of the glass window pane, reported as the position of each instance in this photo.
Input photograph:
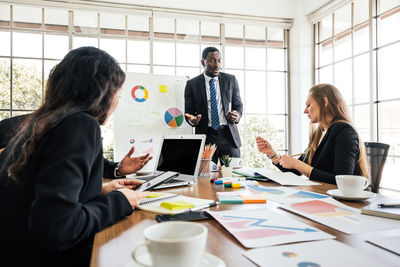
(115, 47)
(164, 53)
(188, 54)
(56, 19)
(326, 27)
(385, 5)
(22, 50)
(85, 22)
(4, 15)
(275, 37)
(5, 43)
(362, 121)
(210, 28)
(4, 83)
(138, 25)
(187, 27)
(390, 173)
(27, 83)
(138, 51)
(276, 96)
(4, 115)
(234, 57)
(361, 11)
(255, 32)
(325, 75)
(256, 97)
(276, 134)
(256, 125)
(343, 19)
(325, 49)
(255, 159)
(276, 59)
(84, 41)
(27, 17)
(255, 58)
(389, 126)
(361, 79)
(138, 68)
(361, 39)
(112, 23)
(56, 46)
(388, 73)
(389, 28)
(190, 72)
(164, 25)
(234, 31)
(343, 79)
(164, 70)
(343, 46)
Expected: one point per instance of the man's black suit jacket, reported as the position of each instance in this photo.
(338, 153)
(196, 102)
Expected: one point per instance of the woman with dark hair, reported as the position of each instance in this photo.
(334, 146)
(51, 172)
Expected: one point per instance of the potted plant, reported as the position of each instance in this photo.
(226, 167)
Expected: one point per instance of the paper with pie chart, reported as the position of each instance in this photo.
(283, 194)
(343, 218)
(173, 117)
(324, 253)
(264, 227)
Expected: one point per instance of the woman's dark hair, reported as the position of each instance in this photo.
(86, 80)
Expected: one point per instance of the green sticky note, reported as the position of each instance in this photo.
(177, 205)
(154, 195)
(163, 88)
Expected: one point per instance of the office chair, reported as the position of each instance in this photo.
(376, 155)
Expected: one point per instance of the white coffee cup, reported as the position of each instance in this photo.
(235, 162)
(351, 185)
(175, 244)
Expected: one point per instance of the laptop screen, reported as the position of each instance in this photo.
(179, 155)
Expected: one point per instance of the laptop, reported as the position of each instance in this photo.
(178, 153)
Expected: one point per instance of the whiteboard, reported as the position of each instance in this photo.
(150, 106)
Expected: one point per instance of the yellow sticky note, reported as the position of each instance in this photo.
(177, 205)
(163, 88)
(154, 195)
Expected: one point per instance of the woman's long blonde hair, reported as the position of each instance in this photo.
(338, 110)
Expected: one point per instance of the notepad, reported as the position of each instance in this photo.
(154, 204)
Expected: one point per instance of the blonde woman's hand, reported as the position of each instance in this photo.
(288, 162)
(133, 196)
(118, 184)
(264, 146)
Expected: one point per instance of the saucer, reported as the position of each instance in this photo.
(207, 260)
(337, 194)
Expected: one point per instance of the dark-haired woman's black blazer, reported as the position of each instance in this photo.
(338, 153)
(49, 218)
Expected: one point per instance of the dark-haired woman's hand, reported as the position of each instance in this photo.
(118, 184)
(130, 164)
(133, 196)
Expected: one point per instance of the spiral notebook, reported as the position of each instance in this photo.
(153, 202)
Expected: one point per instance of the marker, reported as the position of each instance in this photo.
(229, 180)
(230, 106)
(389, 205)
(204, 207)
(240, 184)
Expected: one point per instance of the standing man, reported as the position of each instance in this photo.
(213, 105)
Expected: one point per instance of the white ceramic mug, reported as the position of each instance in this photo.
(351, 185)
(173, 244)
(235, 162)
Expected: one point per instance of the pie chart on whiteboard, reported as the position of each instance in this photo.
(173, 117)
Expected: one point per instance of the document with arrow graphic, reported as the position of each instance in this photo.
(263, 227)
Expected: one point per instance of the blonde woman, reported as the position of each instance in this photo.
(334, 146)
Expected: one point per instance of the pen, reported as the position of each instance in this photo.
(391, 205)
(230, 106)
(203, 207)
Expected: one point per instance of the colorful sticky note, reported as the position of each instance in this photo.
(253, 198)
(155, 195)
(177, 205)
(163, 88)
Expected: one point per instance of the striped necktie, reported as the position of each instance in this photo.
(214, 106)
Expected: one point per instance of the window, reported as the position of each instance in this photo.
(160, 44)
(364, 69)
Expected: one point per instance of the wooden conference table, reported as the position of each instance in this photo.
(113, 245)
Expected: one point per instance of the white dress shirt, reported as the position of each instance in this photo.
(221, 114)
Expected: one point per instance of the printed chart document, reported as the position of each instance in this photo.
(327, 253)
(283, 194)
(263, 227)
(391, 243)
(286, 178)
(340, 217)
